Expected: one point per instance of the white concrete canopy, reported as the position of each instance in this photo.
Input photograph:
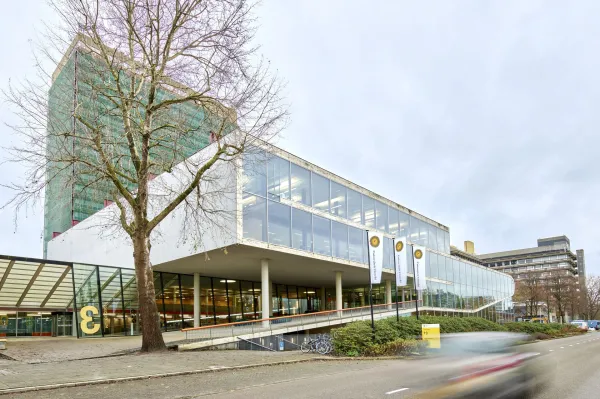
(243, 262)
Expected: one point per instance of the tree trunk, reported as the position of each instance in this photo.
(152, 339)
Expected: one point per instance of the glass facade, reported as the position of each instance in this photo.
(106, 303)
(274, 191)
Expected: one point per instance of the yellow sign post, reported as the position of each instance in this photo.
(431, 335)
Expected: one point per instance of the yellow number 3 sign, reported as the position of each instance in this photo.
(87, 322)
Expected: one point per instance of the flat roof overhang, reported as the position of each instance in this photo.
(286, 266)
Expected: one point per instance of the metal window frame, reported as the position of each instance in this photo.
(122, 302)
(180, 299)
(100, 300)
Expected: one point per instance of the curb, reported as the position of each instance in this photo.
(149, 376)
(189, 372)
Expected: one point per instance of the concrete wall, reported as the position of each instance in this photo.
(186, 231)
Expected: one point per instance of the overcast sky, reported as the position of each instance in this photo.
(482, 115)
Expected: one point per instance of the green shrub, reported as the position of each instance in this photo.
(554, 330)
(356, 339)
(353, 339)
(396, 347)
(394, 337)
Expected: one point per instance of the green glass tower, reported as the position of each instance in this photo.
(80, 85)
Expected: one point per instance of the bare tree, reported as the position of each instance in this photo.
(592, 297)
(152, 76)
(529, 290)
(563, 293)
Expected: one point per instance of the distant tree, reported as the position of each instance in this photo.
(529, 291)
(592, 297)
(150, 64)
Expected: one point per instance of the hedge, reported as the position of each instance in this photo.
(396, 337)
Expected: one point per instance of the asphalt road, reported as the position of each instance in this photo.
(576, 376)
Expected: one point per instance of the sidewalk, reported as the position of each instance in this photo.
(45, 349)
(16, 375)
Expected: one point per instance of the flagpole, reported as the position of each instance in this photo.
(396, 273)
(412, 251)
(370, 286)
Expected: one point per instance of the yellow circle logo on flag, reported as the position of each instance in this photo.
(399, 246)
(375, 241)
(418, 254)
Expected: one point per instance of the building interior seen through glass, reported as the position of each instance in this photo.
(106, 299)
(271, 188)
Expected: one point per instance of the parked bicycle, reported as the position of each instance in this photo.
(322, 345)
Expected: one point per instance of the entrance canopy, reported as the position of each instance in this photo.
(35, 284)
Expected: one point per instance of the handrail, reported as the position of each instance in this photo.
(292, 316)
(254, 343)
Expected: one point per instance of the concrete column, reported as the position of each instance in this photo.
(338, 291)
(74, 324)
(265, 291)
(362, 299)
(196, 299)
(271, 298)
(388, 293)
(323, 300)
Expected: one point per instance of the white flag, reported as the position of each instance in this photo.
(375, 256)
(419, 259)
(400, 261)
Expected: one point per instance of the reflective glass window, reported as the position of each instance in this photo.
(393, 221)
(278, 178)
(300, 184)
(187, 299)
(456, 271)
(449, 270)
(172, 301)
(255, 172)
(338, 199)
(388, 254)
(381, 215)
(424, 233)
(255, 217)
(432, 236)
(207, 315)
(368, 211)
(234, 300)
(440, 239)
(403, 224)
(322, 235)
(339, 234)
(446, 242)
(294, 303)
(354, 206)
(248, 300)
(320, 192)
(279, 224)
(356, 243)
(220, 300)
(415, 224)
(301, 230)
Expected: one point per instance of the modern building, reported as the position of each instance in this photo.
(551, 266)
(73, 194)
(551, 256)
(290, 229)
(286, 238)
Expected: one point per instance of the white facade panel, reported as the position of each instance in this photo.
(100, 240)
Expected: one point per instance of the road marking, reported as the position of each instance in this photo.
(570, 345)
(562, 347)
(551, 350)
(397, 390)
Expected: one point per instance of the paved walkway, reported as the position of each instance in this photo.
(46, 349)
(16, 374)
